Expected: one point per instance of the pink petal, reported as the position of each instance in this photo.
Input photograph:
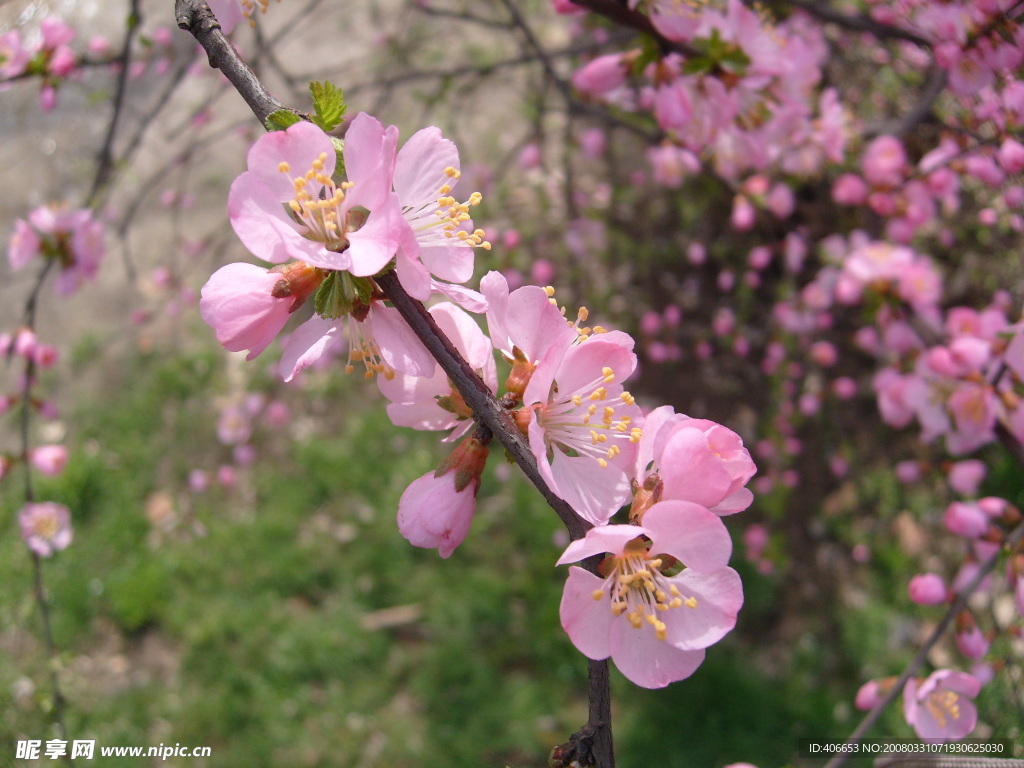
(369, 160)
(468, 299)
(719, 596)
(453, 263)
(691, 470)
(308, 344)
(298, 146)
(399, 346)
(734, 502)
(690, 533)
(373, 245)
(647, 661)
(583, 364)
(259, 220)
(419, 169)
(595, 492)
(587, 621)
(601, 539)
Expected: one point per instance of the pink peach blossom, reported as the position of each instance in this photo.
(45, 527)
(614, 614)
(941, 708)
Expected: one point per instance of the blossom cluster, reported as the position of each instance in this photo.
(49, 57)
(45, 526)
(665, 592)
(875, 273)
(72, 240)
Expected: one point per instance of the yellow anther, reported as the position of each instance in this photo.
(600, 329)
(283, 167)
(690, 602)
(295, 206)
(577, 400)
(602, 463)
(444, 190)
(549, 290)
(594, 437)
(451, 173)
(592, 410)
(599, 394)
(485, 245)
(609, 375)
(628, 399)
(582, 314)
(597, 594)
(349, 368)
(613, 451)
(673, 590)
(675, 602)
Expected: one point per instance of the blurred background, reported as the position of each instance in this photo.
(236, 578)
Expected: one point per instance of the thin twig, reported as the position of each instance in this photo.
(105, 163)
(196, 18)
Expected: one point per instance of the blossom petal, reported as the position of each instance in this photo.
(587, 621)
(299, 146)
(369, 160)
(601, 539)
(419, 169)
(647, 661)
(308, 344)
(690, 533)
(719, 596)
(399, 346)
(595, 492)
(259, 220)
(691, 471)
(373, 245)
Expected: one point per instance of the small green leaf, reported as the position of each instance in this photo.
(340, 293)
(328, 103)
(281, 120)
(339, 165)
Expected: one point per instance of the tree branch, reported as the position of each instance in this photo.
(195, 17)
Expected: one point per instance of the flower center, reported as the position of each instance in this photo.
(363, 347)
(943, 706)
(588, 421)
(318, 206)
(640, 590)
(435, 224)
(46, 527)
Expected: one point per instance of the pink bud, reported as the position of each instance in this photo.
(965, 520)
(49, 459)
(927, 589)
(849, 189)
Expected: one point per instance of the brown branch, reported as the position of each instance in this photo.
(196, 18)
(105, 163)
(854, 23)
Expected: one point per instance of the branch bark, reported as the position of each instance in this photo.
(196, 18)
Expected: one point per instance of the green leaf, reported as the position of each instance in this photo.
(340, 293)
(339, 165)
(281, 119)
(328, 103)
